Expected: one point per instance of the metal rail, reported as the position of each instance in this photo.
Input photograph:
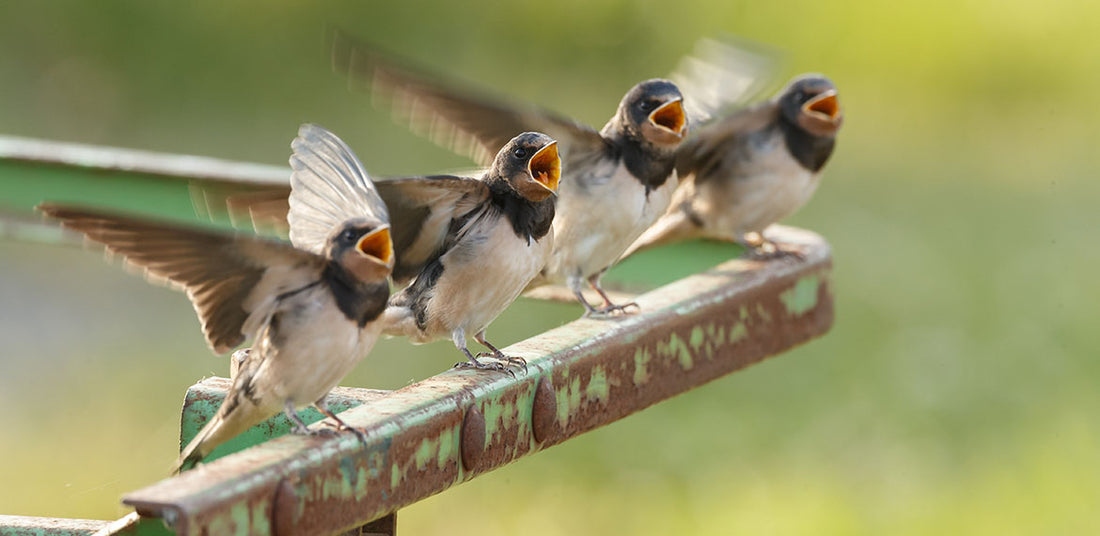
(457, 425)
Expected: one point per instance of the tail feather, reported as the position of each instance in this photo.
(230, 421)
(199, 447)
(674, 226)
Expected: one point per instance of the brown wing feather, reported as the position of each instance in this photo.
(709, 146)
(479, 123)
(219, 271)
(421, 211)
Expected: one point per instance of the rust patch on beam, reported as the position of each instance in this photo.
(452, 427)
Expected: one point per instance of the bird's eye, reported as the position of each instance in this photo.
(520, 152)
(647, 105)
(349, 235)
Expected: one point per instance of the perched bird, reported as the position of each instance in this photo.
(748, 170)
(465, 248)
(617, 181)
(312, 308)
(470, 246)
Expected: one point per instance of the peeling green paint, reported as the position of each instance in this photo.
(597, 385)
(446, 444)
(802, 297)
(395, 476)
(763, 313)
(641, 360)
(676, 346)
(738, 332)
(696, 338)
(424, 452)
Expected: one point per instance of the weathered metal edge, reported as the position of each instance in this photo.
(456, 425)
(175, 166)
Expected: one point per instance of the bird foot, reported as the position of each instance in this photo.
(771, 251)
(479, 365)
(511, 360)
(611, 310)
(341, 426)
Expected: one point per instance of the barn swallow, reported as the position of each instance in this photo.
(471, 246)
(312, 309)
(746, 171)
(617, 182)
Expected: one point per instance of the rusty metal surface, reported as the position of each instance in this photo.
(450, 428)
(203, 399)
(42, 526)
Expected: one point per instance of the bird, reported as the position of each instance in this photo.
(618, 180)
(749, 169)
(464, 247)
(467, 247)
(311, 308)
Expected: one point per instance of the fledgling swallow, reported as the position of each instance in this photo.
(470, 246)
(312, 309)
(746, 171)
(617, 181)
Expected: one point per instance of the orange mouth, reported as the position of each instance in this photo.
(670, 116)
(824, 104)
(545, 166)
(377, 244)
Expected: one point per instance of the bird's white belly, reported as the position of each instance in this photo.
(480, 281)
(593, 227)
(317, 351)
(767, 191)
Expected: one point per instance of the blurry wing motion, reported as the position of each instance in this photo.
(715, 146)
(232, 280)
(328, 187)
(723, 74)
(466, 121)
(423, 210)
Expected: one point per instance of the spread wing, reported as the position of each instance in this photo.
(467, 121)
(423, 209)
(725, 73)
(328, 186)
(710, 150)
(232, 280)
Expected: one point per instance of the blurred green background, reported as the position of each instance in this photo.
(957, 393)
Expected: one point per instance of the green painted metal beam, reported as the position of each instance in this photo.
(33, 171)
(454, 426)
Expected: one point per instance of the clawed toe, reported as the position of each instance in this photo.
(763, 253)
(478, 365)
(612, 309)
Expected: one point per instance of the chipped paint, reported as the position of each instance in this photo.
(641, 359)
(697, 337)
(676, 347)
(591, 373)
(802, 297)
(738, 333)
(597, 386)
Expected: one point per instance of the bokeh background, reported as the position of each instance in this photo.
(957, 393)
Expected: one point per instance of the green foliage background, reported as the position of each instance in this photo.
(957, 392)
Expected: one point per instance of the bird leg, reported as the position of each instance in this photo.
(299, 426)
(322, 406)
(608, 308)
(459, 338)
(762, 249)
(497, 354)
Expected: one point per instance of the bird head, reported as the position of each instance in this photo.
(655, 110)
(364, 249)
(810, 101)
(530, 164)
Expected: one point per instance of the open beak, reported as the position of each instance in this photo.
(670, 116)
(824, 105)
(377, 244)
(545, 167)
